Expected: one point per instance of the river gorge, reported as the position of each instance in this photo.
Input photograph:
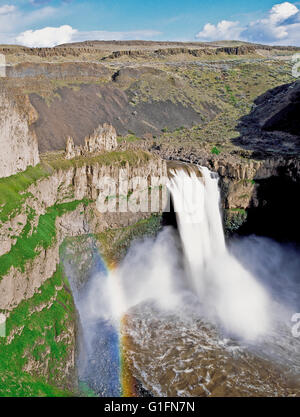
(186, 314)
(149, 231)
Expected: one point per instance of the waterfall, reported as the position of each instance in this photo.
(223, 285)
(179, 299)
(196, 202)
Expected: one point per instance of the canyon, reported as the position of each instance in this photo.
(72, 115)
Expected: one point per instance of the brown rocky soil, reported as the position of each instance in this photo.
(78, 113)
(272, 125)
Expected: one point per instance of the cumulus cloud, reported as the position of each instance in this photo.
(224, 30)
(12, 19)
(52, 36)
(15, 27)
(46, 37)
(275, 27)
(281, 25)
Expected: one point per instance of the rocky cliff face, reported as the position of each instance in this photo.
(258, 195)
(18, 142)
(273, 126)
(64, 187)
(62, 71)
(104, 138)
(199, 52)
(35, 296)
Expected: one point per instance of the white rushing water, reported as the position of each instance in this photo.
(193, 305)
(222, 284)
(154, 270)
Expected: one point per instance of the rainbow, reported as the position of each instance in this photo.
(126, 379)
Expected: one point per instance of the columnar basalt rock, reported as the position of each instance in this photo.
(84, 182)
(71, 150)
(103, 139)
(18, 142)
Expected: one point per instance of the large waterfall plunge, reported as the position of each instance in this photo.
(185, 304)
(219, 285)
(220, 281)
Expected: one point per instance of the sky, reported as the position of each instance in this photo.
(42, 23)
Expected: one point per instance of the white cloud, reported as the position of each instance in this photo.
(13, 19)
(280, 12)
(46, 37)
(275, 28)
(224, 30)
(281, 25)
(6, 9)
(52, 36)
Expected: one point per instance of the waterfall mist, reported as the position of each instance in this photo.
(248, 290)
(223, 286)
(220, 286)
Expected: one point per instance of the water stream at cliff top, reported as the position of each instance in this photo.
(190, 315)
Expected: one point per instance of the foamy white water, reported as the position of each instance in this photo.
(175, 305)
(222, 284)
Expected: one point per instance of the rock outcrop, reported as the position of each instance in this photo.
(273, 126)
(60, 71)
(104, 138)
(199, 52)
(18, 142)
(258, 195)
(65, 186)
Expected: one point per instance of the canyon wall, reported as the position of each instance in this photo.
(18, 142)
(259, 196)
(80, 185)
(103, 139)
(35, 296)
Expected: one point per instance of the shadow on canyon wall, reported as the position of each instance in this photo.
(272, 127)
(277, 213)
(272, 130)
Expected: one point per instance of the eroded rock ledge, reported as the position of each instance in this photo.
(258, 195)
(104, 138)
(79, 185)
(18, 142)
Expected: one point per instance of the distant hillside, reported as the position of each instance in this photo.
(95, 50)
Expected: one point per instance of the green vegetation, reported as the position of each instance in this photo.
(232, 97)
(129, 138)
(221, 94)
(12, 190)
(115, 242)
(28, 245)
(238, 210)
(215, 151)
(247, 181)
(118, 158)
(234, 219)
(38, 331)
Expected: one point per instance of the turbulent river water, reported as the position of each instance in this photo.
(187, 314)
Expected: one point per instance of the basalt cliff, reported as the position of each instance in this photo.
(126, 109)
(18, 142)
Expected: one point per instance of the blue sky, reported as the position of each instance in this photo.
(49, 22)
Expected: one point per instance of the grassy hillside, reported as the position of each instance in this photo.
(37, 344)
(177, 92)
(36, 354)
